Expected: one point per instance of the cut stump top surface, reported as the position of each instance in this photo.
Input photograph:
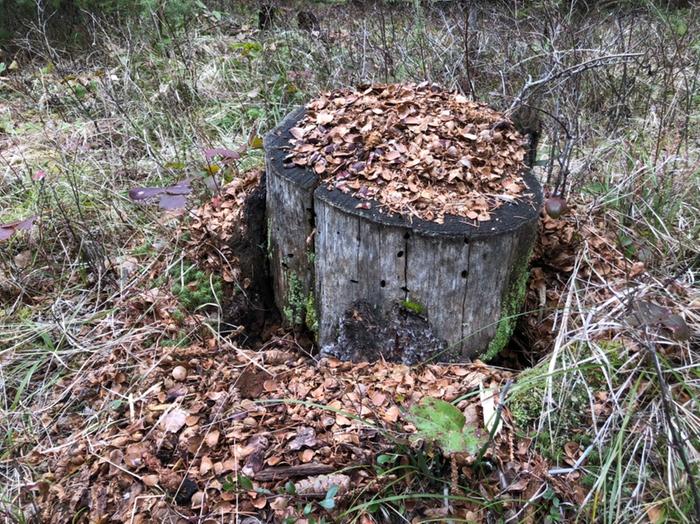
(504, 219)
(416, 149)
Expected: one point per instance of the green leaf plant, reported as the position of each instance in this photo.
(443, 424)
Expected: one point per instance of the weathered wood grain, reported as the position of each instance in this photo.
(290, 228)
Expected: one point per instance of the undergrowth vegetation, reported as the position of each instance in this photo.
(610, 89)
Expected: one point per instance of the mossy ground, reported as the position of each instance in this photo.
(196, 288)
(572, 392)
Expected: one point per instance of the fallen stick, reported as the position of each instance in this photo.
(285, 472)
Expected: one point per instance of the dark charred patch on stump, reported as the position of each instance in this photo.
(398, 336)
(252, 307)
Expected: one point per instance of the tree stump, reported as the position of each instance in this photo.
(330, 259)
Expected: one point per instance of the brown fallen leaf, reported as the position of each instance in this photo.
(655, 513)
(205, 466)
(378, 398)
(307, 455)
(150, 480)
(391, 414)
(259, 502)
(212, 438)
(306, 437)
(133, 457)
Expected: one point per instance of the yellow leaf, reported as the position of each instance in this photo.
(655, 514)
(256, 142)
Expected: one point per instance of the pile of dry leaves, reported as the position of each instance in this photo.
(415, 149)
(211, 432)
(220, 224)
(582, 235)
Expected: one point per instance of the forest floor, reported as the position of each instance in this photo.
(135, 386)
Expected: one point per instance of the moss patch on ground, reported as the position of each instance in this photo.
(196, 288)
(572, 389)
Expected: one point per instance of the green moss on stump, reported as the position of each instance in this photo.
(311, 257)
(296, 302)
(300, 309)
(413, 306)
(311, 319)
(510, 309)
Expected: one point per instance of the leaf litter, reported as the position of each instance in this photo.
(415, 149)
(218, 222)
(177, 444)
(212, 432)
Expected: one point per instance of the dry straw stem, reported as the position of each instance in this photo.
(672, 417)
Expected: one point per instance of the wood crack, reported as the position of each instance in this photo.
(405, 269)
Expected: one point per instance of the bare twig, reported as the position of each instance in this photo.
(533, 85)
(671, 416)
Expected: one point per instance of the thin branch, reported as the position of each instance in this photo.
(669, 415)
(576, 69)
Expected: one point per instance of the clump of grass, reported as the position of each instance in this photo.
(573, 392)
(599, 398)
